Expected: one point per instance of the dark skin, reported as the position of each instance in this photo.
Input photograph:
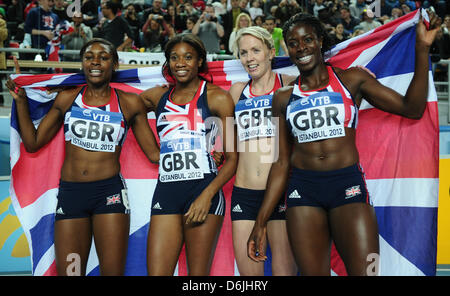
(196, 228)
(110, 231)
(352, 227)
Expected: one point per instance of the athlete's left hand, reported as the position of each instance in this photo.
(255, 243)
(218, 158)
(367, 70)
(426, 36)
(199, 209)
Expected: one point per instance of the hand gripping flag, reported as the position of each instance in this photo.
(400, 157)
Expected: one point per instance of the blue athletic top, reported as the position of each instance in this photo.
(187, 134)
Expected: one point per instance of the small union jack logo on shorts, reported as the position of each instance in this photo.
(114, 199)
(352, 191)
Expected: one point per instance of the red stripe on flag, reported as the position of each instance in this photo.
(337, 265)
(32, 79)
(182, 263)
(51, 271)
(173, 128)
(125, 87)
(36, 173)
(218, 75)
(133, 162)
(392, 146)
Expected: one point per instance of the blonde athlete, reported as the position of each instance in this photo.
(256, 140)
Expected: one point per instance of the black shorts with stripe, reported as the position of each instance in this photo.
(177, 197)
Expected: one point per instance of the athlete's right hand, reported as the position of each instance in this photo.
(198, 211)
(16, 92)
(255, 243)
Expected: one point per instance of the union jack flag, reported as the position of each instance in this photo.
(115, 199)
(353, 191)
(175, 117)
(400, 158)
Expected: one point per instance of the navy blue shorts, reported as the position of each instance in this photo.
(84, 199)
(176, 197)
(245, 204)
(327, 190)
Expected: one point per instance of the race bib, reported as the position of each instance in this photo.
(181, 157)
(94, 130)
(253, 118)
(317, 117)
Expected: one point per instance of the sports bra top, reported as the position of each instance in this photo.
(95, 128)
(323, 113)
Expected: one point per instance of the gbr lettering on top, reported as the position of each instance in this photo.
(253, 118)
(95, 130)
(317, 117)
(181, 157)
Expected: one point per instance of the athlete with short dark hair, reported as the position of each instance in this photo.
(326, 193)
(92, 198)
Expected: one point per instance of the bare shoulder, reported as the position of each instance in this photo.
(354, 78)
(351, 70)
(128, 99)
(238, 85)
(284, 91)
(236, 90)
(352, 74)
(217, 92)
(69, 93)
(65, 98)
(156, 90)
(281, 98)
(152, 96)
(154, 93)
(288, 79)
(127, 95)
(219, 100)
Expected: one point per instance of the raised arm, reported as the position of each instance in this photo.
(220, 30)
(32, 138)
(196, 27)
(413, 103)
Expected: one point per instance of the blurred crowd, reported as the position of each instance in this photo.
(146, 25)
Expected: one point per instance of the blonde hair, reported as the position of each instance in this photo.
(242, 14)
(257, 32)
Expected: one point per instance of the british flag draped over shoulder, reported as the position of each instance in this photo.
(400, 157)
